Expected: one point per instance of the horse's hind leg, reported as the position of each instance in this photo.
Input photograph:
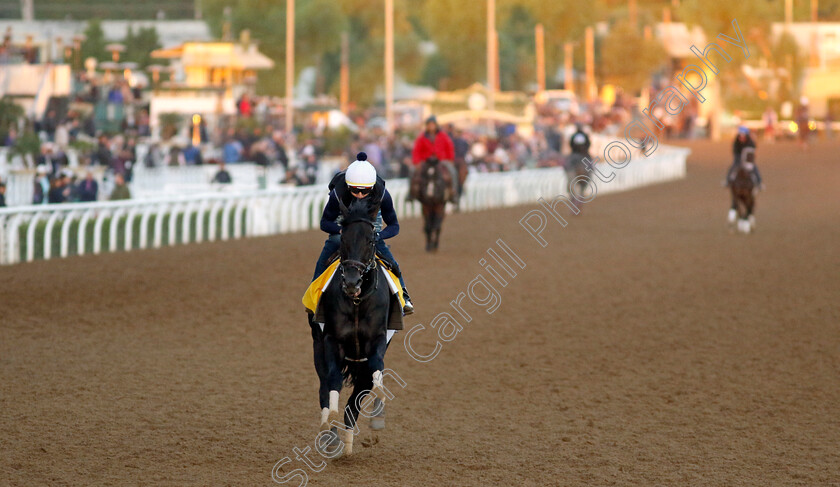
(427, 227)
(438, 225)
(750, 216)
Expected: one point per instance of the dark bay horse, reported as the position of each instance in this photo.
(574, 168)
(743, 194)
(356, 307)
(433, 185)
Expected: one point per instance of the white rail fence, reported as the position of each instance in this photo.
(50, 231)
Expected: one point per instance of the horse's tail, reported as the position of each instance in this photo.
(352, 371)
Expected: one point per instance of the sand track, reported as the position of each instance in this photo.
(645, 345)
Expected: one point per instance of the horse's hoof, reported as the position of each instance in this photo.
(377, 422)
(370, 439)
(329, 444)
(347, 437)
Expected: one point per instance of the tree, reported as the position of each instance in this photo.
(94, 44)
(460, 34)
(628, 60)
(139, 47)
(564, 21)
(10, 115)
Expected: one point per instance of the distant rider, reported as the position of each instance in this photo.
(579, 143)
(743, 140)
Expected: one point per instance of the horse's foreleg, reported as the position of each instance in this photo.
(334, 378)
(427, 226)
(320, 366)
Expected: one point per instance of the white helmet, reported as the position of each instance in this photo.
(361, 173)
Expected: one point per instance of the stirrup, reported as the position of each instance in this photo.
(409, 306)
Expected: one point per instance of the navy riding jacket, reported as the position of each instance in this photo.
(330, 219)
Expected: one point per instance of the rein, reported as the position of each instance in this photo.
(364, 269)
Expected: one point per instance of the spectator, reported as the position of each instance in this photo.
(244, 106)
(42, 186)
(2, 194)
(59, 191)
(232, 151)
(49, 159)
(88, 190)
(192, 156)
(11, 137)
(49, 125)
(143, 128)
(62, 136)
(222, 175)
(280, 155)
(103, 155)
(306, 171)
(258, 153)
(121, 191)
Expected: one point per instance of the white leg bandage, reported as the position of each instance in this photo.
(333, 400)
(377, 379)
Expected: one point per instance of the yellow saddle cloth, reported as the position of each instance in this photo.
(313, 293)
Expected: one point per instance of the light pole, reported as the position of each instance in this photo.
(389, 65)
(345, 74)
(290, 69)
(539, 34)
(491, 55)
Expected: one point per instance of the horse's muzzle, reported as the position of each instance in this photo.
(352, 291)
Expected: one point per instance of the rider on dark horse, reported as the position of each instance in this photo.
(579, 143)
(361, 181)
(434, 142)
(743, 141)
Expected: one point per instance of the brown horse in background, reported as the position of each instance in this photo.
(743, 195)
(433, 185)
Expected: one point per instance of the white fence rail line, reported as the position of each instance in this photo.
(48, 231)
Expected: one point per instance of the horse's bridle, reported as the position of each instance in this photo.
(363, 267)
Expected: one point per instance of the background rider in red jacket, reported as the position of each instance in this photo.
(432, 142)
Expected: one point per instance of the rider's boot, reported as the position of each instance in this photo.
(409, 306)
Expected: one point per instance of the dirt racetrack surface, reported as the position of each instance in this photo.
(645, 345)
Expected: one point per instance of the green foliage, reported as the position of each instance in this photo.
(517, 45)
(786, 55)
(337, 141)
(628, 60)
(94, 44)
(318, 28)
(27, 143)
(139, 46)
(10, 115)
(716, 16)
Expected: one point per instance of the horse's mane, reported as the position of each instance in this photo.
(359, 210)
